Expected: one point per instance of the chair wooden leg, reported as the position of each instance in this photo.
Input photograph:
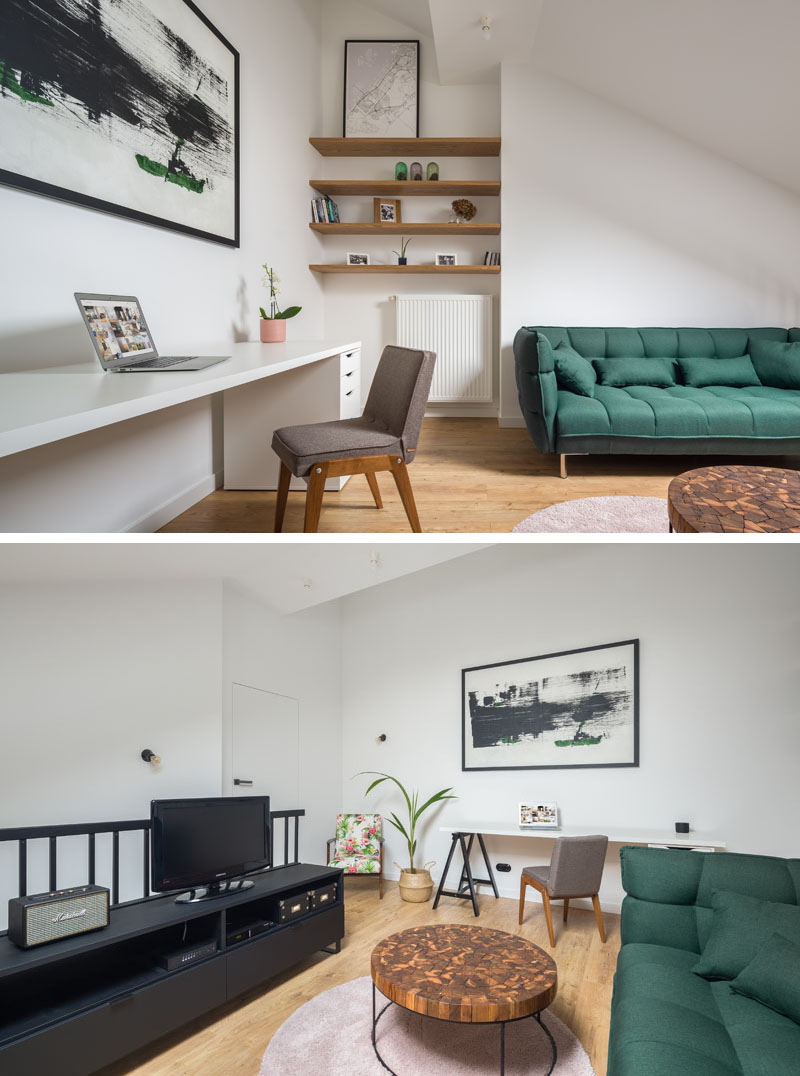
(372, 478)
(549, 917)
(598, 916)
(403, 483)
(522, 887)
(316, 487)
(284, 479)
(566, 908)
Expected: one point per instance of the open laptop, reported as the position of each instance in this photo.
(122, 340)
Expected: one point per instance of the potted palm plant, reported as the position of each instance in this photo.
(273, 324)
(416, 883)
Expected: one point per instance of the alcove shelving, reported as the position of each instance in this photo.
(411, 148)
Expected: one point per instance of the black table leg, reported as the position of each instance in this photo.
(488, 865)
(502, 1049)
(538, 1018)
(375, 1020)
(462, 881)
(470, 883)
(440, 890)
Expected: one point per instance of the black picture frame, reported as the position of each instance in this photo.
(377, 41)
(64, 194)
(466, 684)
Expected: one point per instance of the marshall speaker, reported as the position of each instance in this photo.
(46, 917)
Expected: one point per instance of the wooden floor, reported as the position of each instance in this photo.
(233, 1041)
(469, 476)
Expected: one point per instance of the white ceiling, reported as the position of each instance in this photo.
(462, 53)
(276, 572)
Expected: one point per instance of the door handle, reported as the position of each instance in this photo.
(242, 781)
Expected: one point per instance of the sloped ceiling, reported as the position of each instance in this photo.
(721, 73)
(288, 577)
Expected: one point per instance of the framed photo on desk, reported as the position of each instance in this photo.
(568, 710)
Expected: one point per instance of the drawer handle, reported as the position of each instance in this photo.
(350, 393)
(350, 374)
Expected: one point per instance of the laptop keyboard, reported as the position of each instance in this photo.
(164, 360)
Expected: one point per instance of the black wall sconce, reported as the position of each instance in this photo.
(150, 756)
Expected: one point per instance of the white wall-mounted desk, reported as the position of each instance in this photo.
(279, 384)
(464, 835)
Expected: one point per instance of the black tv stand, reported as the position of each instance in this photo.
(211, 892)
(79, 1004)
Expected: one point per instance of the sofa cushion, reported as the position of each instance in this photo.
(680, 411)
(619, 373)
(740, 926)
(776, 364)
(573, 372)
(773, 977)
(766, 1043)
(737, 372)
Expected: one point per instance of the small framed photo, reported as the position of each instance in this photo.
(386, 211)
(358, 259)
(446, 259)
(538, 816)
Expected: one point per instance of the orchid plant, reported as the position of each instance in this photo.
(270, 281)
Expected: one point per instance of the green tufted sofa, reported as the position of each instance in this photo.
(637, 419)
(665, 1019)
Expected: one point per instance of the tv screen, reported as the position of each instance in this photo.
(203, 842)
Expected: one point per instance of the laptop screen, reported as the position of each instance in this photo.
(118, 328)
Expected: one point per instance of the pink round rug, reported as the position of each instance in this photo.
(332, 1034)
(599, 515)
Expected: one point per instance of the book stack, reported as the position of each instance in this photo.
(491, 257)
(324, 211)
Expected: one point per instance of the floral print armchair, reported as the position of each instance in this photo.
(358, 845)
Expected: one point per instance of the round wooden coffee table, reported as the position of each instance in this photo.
(735, 500)
(464, 974)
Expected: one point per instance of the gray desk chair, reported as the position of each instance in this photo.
(576, 869)
(383, 439)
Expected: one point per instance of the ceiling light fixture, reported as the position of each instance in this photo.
(486, 27)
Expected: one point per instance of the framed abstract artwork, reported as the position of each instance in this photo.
(381, 89)
(573, 709)
(126, 106)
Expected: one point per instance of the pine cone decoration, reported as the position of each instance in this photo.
(464, 208)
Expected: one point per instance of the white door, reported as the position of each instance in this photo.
(265, 748)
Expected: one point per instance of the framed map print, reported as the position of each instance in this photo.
(126, 106)
(577, 708)
(381, 89)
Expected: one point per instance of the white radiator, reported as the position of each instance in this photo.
(459, 329)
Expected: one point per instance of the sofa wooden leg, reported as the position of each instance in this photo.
(316, 488)
(521, 898)
(284, 479)
(563, 459)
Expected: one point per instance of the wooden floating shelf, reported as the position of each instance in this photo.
(403, 188)
(394, 147)
(427, 228)
(490, 269)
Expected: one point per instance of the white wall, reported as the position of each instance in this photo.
(298, 656)
(720, 677)
(612, 220)
(92, 674)
(359, 307)
(196, 294)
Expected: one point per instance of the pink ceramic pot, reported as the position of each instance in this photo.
(273, 330)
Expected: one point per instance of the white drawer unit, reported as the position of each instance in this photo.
(326, 390)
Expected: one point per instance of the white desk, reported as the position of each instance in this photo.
(464, 835)
(319, 380)
(615, 834)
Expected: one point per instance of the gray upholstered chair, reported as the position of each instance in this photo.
(576, 869)
(383, 439)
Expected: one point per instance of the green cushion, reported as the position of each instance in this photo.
(766, 1042)
(776, 364)
(573, 372)
(621, 372)
(736, 373)
(741, 926)
(773, 977)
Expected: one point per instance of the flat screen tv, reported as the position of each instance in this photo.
(206, 845)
